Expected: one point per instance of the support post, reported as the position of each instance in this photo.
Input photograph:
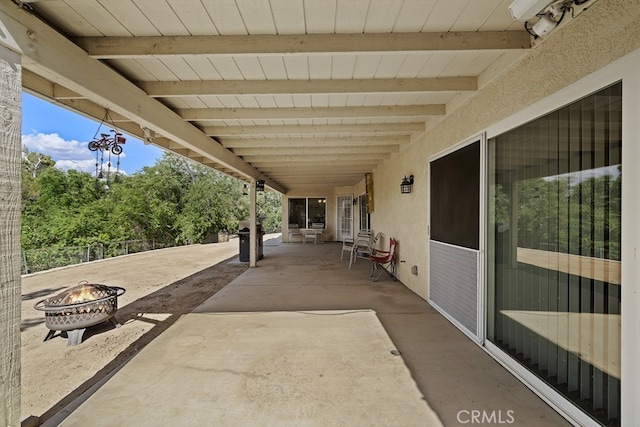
(253, 241)
(10, 160)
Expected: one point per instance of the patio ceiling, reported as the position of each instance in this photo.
(293, 92)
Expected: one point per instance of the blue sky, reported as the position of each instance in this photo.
(63, 135)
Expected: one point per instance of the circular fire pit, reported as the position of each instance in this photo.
(79, 307)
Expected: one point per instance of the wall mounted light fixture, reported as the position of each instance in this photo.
(245, 190)
(260, 185)
(406, 185)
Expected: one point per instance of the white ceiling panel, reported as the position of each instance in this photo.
(436, 64)
(297, 67)
(193, 102)
(413, 64)
(59, 13)
(320, 16)
(203, 68)
(193, 16)
(366, 66)
(133, 69)
(226, 67)
(288, 16)
(351, 16)
(158, 69)
(500, 18)
(382, 15)
(211, 101)
(320, 100)
(162, 16)
(128, 16)
(444, 15)
(356, 99)
(225, 16)
(413, 15)
(338, 100)
(250, 67)
(180, 68)
(474, 15)
(257, 16)
(320, 66)
(343, 66)
(273, 67)
(97, 15)
(389, 66)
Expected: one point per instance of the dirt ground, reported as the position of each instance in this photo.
(160, 286)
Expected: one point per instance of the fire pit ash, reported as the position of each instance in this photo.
(77, 308)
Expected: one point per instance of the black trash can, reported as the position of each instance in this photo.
(244, 236)
(245, 244)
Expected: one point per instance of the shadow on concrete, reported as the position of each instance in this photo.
(30, 323)
(194, 290)
(39, 294)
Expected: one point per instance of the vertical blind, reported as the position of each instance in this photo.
(554, 249)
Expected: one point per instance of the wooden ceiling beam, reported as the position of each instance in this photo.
(167, 89)
(312, 151)
(268, 44)
(350, 141)
(394, 128)
(210, 114)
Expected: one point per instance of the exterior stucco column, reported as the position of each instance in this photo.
(253, 241)
(10, 196)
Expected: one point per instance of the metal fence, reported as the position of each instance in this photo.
(34, 260)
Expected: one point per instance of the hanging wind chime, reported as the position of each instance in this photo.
(111, 143)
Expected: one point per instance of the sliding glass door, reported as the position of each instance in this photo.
(554, 249)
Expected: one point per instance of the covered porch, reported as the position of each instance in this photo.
(455, 377)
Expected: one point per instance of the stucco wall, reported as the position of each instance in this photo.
(602, 34)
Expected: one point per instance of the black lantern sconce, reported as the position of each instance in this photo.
(260, 185)
(355, 201)
(245, 190)
(407, 185)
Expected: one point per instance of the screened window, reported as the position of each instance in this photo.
(554, 249)
(307, 211)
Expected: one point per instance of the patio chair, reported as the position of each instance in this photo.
(349, 244)
(311, 234)
(295, 232)
(364, 246)
(318, 228)
(384, 262)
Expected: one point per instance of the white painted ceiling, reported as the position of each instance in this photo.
(313, 92)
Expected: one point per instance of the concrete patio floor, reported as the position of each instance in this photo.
(454, 375)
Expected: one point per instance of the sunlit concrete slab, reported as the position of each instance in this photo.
(320, 368)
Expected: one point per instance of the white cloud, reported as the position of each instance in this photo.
(67, 154)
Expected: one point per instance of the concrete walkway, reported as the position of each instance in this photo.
(453, 374)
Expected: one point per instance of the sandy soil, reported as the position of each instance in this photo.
(160, 287)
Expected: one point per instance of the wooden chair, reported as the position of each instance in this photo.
(384, 262)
